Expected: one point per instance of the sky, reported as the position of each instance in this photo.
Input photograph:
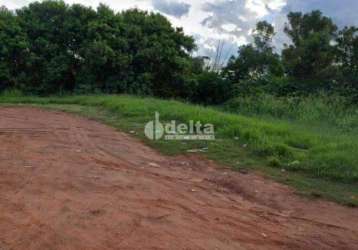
(228, 21)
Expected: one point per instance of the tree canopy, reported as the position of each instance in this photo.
(311, 55)
(51, 47)
(318, 58)
(57, 47)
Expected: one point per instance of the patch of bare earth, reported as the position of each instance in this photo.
(71, 183)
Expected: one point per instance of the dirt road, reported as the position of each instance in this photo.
(70, 183)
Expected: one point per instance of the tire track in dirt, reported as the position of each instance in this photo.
(67, 182)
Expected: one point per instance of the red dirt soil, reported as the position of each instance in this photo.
(67, 182)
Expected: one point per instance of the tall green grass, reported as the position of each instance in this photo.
(313, 110)
(241, 140)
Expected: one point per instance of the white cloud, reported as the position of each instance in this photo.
(229, 27)
(14, 4)
(172, 8)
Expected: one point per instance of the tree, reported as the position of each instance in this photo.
(160, 53)
(56, 33)
(13, 50)
(310, 58)
(255, 61)
(104, 54)
(347, 57)
(263, 36)
(72, 48)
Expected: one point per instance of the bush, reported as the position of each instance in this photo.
(210, 88)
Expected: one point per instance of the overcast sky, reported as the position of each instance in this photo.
(228, 20)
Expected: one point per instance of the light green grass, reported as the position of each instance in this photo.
(316, 110)
(316, 163)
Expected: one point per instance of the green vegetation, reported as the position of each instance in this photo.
(315, 110)
(50, 47)
(319, 59)
(317, 163)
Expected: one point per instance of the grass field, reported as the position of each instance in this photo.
(317, 162)
(316, 110)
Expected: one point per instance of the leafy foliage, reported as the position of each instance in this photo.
(347, 52)
(319, 58)
(310, 58)
(75, 48)
(50, 47)
(255, 62)
(210, 88)
(13, 50)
